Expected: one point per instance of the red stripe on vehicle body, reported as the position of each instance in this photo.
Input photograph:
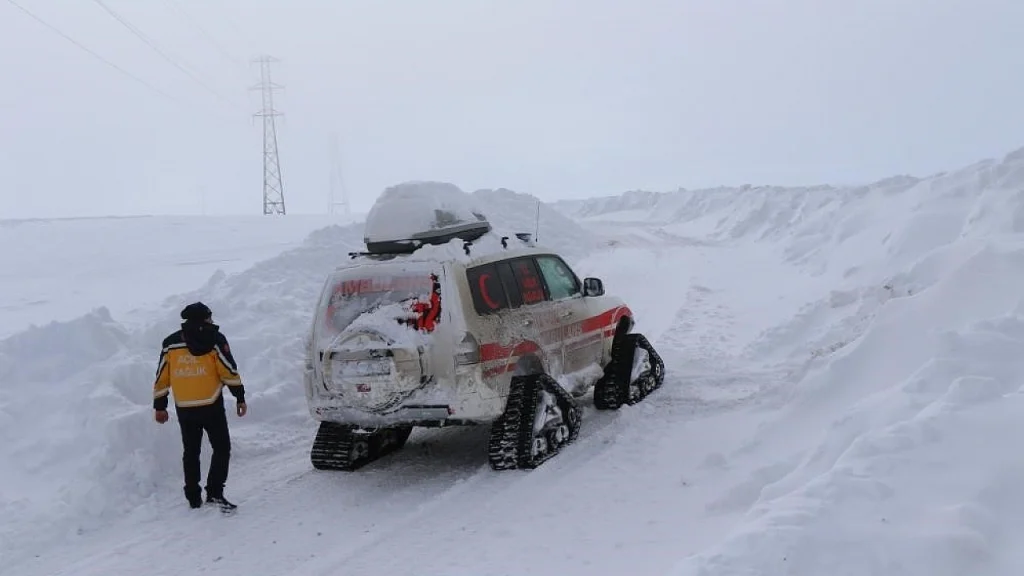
(605, 322)
(620, 313)
(495, 351)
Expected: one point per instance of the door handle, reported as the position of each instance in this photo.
(565, 314)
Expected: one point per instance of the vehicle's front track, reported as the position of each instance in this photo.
(635, 371)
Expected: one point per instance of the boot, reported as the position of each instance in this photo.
(194, 496)
(221, 501)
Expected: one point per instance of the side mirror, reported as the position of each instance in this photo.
(593, 287)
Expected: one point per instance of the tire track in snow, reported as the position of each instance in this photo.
(328, 565)
(423, 472)
(613, 449)
(596, 506)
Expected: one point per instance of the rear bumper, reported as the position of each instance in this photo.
(466, 402)
(431, 416)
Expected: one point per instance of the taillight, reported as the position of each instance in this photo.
(468, 351)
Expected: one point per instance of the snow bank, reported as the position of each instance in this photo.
(63, 268)
(894, 444)
(884, 454)
(893, 376)
(518, 212)
(818, 217)
(78, 395)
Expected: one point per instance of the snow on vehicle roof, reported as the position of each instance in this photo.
(430, 221)
(421, 211)
(490, 244)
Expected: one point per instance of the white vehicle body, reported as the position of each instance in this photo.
(420, 339)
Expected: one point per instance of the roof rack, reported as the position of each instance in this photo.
(375, 255)
(524, 237)
(387, 255)
(392, 249)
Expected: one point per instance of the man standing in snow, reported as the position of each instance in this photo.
(195, 364)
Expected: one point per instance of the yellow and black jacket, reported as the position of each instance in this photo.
(195, 364)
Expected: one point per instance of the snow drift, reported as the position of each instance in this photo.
(78, 395)
(63, 268)
(900, 373)
(904, 374)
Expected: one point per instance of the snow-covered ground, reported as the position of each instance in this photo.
(843, 368)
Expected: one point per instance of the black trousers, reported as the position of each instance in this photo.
(193, 422)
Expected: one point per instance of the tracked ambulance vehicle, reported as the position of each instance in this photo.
(443, 321)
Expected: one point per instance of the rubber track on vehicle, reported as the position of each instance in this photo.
(512, 433)
(568, 405)
(612, 390)
(334, 443)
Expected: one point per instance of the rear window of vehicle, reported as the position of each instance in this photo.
(506, 284)
(488, 290)
(386, 292)
(508, 280)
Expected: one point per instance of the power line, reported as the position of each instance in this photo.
(138, 33)
(92, 53)
(234, 26)
(220, 48)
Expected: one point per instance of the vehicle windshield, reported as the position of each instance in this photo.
(383, 297)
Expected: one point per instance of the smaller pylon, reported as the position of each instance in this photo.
(273, 187)
(336, 183)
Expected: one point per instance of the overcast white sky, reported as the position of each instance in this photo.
(558, 98)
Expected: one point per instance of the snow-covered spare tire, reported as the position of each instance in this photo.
(369, 372)
(411, 214)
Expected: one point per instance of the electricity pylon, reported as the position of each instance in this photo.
(336, 183)
(273, 187)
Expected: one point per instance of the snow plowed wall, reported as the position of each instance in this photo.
(517, 211)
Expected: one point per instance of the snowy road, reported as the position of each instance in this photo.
(613, 501)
